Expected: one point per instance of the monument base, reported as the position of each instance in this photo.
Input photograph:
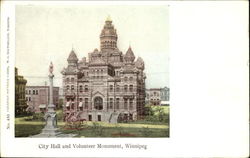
(46, 133)
(52, 133)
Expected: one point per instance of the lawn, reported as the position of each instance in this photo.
(25, 128)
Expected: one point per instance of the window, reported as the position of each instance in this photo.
(72, 79)
(80, 99)
(34, 92)
(90, 117)
(130, 78)
(67, 79)
(117, 88)
(26, 92)
(111, 103)
(98, 103)
(86, 100)
(125, 88)
(117, 103)
(126, 79)
(99, 118)
(111, 88)
(81, 88)
(67, 87)
(131, 88)
(29, 91)
(125, 103)
(72, 87)
(86, 88)
(130, 103)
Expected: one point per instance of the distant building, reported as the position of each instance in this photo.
(157, 96)
(20, 103)
(165, 94)
(153, 96)
(109, 87)
(37, 97)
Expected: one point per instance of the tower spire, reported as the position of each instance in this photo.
(108, 36)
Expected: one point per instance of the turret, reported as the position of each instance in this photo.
(129, 57)
(139, 63)
(72, 59)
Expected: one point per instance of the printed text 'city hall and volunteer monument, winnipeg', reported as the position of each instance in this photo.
(109, 86)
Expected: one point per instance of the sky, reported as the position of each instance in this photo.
(48, 33)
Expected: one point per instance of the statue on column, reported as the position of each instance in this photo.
(51, 68)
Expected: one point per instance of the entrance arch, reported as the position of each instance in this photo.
(98, 103)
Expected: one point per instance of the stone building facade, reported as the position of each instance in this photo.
(165, 94)
(20, 103)
(155, 96)
(109, 86)
(37, 97)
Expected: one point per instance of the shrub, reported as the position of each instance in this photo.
(59, 114)
(38, 117)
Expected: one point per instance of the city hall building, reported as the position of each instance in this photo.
(109, 86)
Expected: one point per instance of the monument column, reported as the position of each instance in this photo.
(50, 129)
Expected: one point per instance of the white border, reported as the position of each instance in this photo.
(209, 87)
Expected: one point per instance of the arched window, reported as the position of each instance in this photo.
(125, 88)
(72, 79)
(80, 88)
(67, 79)
(125, 103)
(111, 88)
(130, 78)
(98, 103)
(131, 88)
(72, 87)
(117, 103)
(86, 88)
(111, 103)
(67, 87)
(86, 100)
(130, 103)
(117, 88)
(126, 79)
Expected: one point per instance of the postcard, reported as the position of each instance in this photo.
(93, 79)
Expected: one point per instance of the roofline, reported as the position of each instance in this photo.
(40, 87)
